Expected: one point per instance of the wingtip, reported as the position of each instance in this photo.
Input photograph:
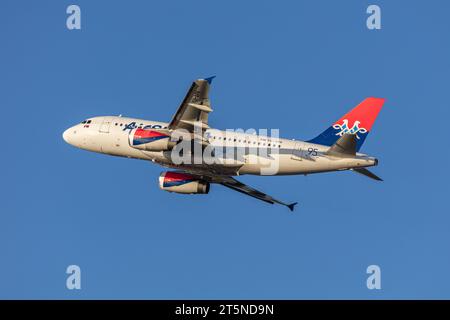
(209, 79)
(292, 205)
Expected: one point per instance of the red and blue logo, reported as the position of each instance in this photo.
(142, 136)
(173, 179)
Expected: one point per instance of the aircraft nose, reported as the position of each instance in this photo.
(68, 135)
(65, 136)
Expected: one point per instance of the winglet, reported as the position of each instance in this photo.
(291, 206)
(210, 79)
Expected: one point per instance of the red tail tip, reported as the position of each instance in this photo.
(364, 114)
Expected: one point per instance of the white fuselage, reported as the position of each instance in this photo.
(110, 135)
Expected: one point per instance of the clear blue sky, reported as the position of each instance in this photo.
(292, 65)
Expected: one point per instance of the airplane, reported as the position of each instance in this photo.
(201, 155)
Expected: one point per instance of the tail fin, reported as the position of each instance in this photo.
(358, 121)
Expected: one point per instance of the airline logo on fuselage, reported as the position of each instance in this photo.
(133, 125)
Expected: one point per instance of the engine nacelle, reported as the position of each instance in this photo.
(182, 183)
(150, 140)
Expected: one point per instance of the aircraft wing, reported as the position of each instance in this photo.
(243, 188)
(195, 107)
(233, 184)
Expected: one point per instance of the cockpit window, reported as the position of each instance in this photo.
(84, 122)
(89, 121)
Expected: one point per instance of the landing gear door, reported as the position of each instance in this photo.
(104, 127)
(297, 152)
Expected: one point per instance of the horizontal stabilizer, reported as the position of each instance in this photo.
(345, 146)
(367, 173)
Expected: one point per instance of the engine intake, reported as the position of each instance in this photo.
(182, 183)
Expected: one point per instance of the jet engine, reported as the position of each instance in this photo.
(151, 139)
(182, 183)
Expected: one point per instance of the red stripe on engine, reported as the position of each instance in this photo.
(176, 176)
(141, 133)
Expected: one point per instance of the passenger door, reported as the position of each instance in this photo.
(104, 127)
